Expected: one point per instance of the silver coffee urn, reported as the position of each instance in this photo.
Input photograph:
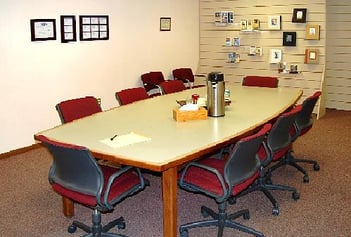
(215, 94)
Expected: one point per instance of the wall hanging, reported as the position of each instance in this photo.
(43, 29)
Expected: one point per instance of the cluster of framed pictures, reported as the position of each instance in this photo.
(91, 27)
(250, 24)
(223, 18)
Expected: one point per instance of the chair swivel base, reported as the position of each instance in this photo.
(220, 220)
(97, 230)
(292, 161)
(264, 184)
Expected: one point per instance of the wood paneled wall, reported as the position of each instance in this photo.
(214, 53)
(338, 57)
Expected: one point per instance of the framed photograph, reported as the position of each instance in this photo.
(311, 56)
(252, 51)
(255, 24)
(223, 18)
(275, 56)
(289, 38)
(243, 24)
(165, 24)
(93, 27)
(312, 32)
(299, 15)
(236, 41)
(274, 22)
(43, 29)
(68, 29)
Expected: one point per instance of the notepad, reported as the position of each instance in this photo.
(125, 140)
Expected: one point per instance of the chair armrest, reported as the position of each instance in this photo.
(207, 168)
(267, 155)
(112, 179)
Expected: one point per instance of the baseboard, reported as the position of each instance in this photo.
(20, 151)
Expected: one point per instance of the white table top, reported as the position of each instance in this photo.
(170, 140)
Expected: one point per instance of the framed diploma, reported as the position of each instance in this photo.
(68, 29)
(165, 24)
(43, 29)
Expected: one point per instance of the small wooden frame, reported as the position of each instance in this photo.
(311, 56)
(312, 32)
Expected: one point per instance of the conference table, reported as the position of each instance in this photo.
(149, 137)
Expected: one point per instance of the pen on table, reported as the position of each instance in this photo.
(113, 137)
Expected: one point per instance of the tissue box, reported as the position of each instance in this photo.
(182, 116)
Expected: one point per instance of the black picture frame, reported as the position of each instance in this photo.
(43, 29)
(93, 27)
(289, 38)
(299, 15)
(68, 28)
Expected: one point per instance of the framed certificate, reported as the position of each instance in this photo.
(165, 24)
(68, 29)
(43, 29)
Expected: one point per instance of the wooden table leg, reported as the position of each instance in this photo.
(67, 207)
(169, 195)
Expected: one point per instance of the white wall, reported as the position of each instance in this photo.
(37, 75)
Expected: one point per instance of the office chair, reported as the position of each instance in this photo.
(172, 86)
(187, 76)
(274, 148)
(131, 95)
(70, 110)
(219, 179)
(76, 175)
(260, 81)
(303, 123)
(151, 82)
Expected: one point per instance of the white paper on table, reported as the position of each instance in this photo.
(125, 140)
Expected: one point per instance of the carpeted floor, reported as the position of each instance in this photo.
(30, 208)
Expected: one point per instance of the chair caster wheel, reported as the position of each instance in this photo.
(232, 200)
(71, 229)
(246, 216)
(204, 212)
(184, 233)
(316, 167)
(121, 226)
(295, 195)
(275, 211)
(306, 179)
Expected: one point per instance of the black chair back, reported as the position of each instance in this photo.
(280, 136)
(74, 168)
(243, 161)
(304, 118)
